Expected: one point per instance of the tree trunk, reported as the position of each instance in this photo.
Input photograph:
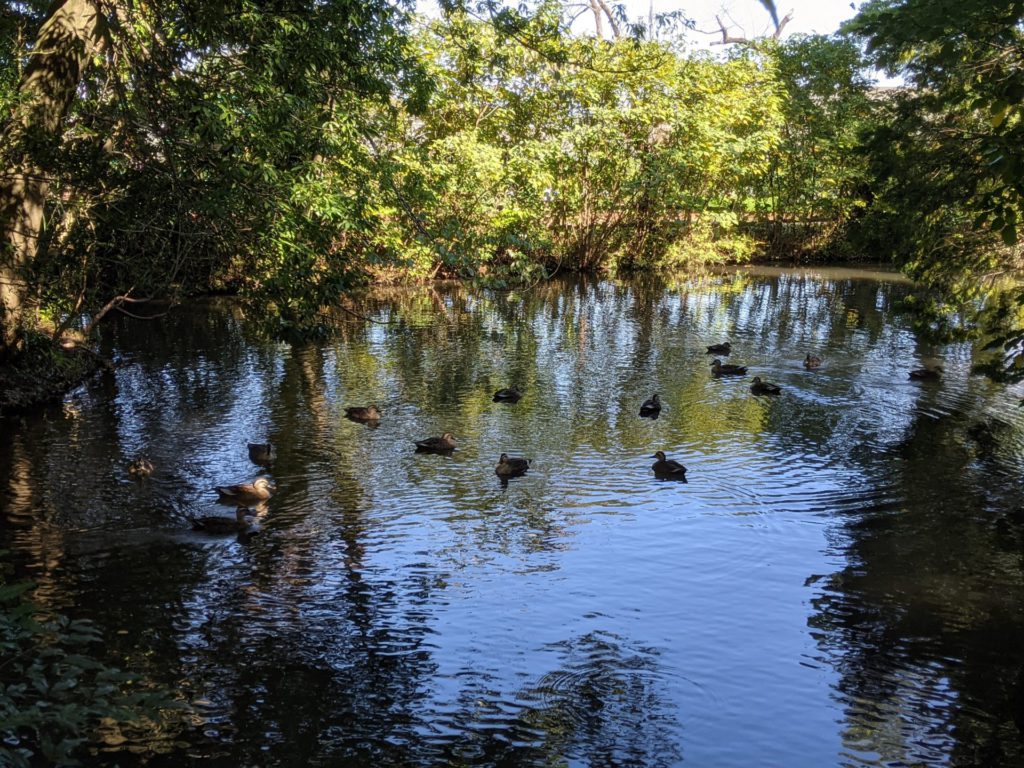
(71, 34)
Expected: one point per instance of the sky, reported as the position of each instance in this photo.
(750, 17)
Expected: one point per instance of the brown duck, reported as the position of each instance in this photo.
(651, 406)
(258, 490)
(141, 467)
(926, 374)
(511, 466)
(262, 453)
(219, 524)
(668, 468)
(367, 413)
(764, 388)
(443, 444)
(509, 395)
(727, 370)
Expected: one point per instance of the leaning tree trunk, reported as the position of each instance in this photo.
(71, 34)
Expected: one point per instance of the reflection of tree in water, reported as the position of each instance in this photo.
(599, 708)
(925, 624)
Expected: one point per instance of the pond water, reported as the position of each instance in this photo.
(841, 581)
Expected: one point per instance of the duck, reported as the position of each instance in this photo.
(511, 466)
(651, 406)
(668, 468)
(926, 374)
(764, 388)
(141, 467)
(262, 453)
(443, 444)
(363, 413)
(219, 524)
(719, 349)
(508, 395)
(727, 370)
(258, 490)
(811, 362)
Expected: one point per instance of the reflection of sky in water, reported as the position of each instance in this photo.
(402, 608)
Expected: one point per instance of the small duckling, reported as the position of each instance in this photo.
(368, 413)
(511, 466)
(443, 444)
(926, 374)
(666, 468)
(258, 490)
(811, 362)
(262, 453)
(727, 370)
(651, 406)
(719, 349)
(140, 468)
(218, 524)
(509, 395)
(764, 388)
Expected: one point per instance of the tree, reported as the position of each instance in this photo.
(73, 31)
(949, 160)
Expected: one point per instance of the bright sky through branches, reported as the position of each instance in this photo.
(748, 17)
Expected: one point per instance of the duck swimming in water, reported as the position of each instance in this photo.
(668, 468)
(511, 466)
(727, 370)
(218, 524)
(443, 444)
(764, 388)
(651, 406)
(811, 362)
(719, 349)
(367, 413)
(258, 490)
(262, 453)
(926, 374)
(509, 395)
(141, 467)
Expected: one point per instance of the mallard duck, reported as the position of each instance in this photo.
(262, 453)
(511, 466)
(510, 395)
(363, 413)
(926, 374)
(764, 388)
(258, 490)
(141, 467)
(727, 370)
(443, 444)
(218, 524)
(719, 349)
(668, 468)
(651, 407)
(811, 362)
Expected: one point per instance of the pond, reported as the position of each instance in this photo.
(840, 581)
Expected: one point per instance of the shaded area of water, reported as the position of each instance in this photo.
(841, 581)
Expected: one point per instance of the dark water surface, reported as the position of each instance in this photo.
(841, 582)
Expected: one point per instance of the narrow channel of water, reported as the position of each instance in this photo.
(841, 581)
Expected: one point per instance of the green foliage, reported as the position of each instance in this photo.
(54, 694)
(817, 174)
(948, 161)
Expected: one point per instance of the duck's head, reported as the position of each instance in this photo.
(503, 458)
(448, 436)
(716, 363)
(757, 379)
(264, 484)
(660, 456)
